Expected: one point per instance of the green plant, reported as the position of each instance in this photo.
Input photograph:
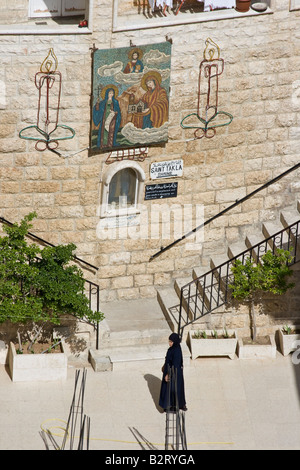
(39, 285)
(250, 280)
(225, 334)
(287, 330)
(215, 334)
(197, 334)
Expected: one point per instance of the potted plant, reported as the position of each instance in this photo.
(212, 343)
(43, 366)
(242, 6)
(38, 286)
(250, 280)
(288, 338)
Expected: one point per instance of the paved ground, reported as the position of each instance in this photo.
(232, 404)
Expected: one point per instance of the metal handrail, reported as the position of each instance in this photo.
(232, 206)
(210, 291)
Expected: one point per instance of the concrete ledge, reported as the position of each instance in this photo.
(251, 351)
(3, 353)
(130, 357)
(98, 362)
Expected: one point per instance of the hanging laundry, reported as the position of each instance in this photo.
(210, 5)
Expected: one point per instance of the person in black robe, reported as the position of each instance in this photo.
(173, 359)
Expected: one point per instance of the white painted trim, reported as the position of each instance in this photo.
(108, 175)
(116, 167)
(294, 5)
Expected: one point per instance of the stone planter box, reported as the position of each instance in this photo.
(288, 342)
(3, 353)
(36, 367)
(211, 347)
(251, 351)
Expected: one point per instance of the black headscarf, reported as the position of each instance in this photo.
(175, 338)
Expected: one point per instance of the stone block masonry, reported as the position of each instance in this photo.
(259, 87)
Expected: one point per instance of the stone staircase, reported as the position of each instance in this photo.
(133, 333)
(169, 297)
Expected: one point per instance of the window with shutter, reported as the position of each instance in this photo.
(54, 8)
(46, 17)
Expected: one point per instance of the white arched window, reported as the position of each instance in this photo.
(123, 186)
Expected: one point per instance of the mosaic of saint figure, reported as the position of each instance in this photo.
(135, 64)
(130, 96)
(156, 103)
(107, 115)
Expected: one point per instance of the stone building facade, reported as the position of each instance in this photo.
(260, 88)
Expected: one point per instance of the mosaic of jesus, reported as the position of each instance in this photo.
(130, 97)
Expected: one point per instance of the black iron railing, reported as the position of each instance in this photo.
(227, 209)
(210, 291)
(93, 294)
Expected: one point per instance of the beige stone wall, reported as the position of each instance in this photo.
(13, 12)
(271, 312)
(258, 87)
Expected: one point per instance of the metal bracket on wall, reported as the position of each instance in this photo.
(136, 154)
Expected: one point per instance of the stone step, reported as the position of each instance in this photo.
(192, 301)
(170, 305)
(182, 282)
(221, 272)
(236, 249)
(199, 275)
(133, 323)
(217, 261)
(209, 289)
(289, 217)
(252, 240)
(136, 337)
(271, 228)
(121, 358)
(199, 272)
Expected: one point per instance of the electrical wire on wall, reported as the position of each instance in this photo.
(68, 155)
